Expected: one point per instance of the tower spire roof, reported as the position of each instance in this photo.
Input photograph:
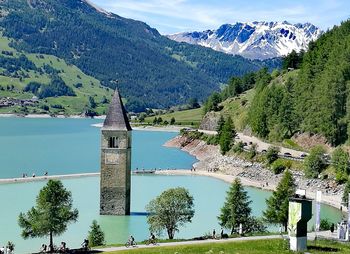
(116, 118)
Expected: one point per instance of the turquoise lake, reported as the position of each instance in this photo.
(63, 146)
(67, 146)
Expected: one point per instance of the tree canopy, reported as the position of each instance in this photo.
(340, 162)
(52, 213)
(315, 163)
(96, 236)
(314, 98)
(227, 135)
(278, 204)
(236, 209)
(170, 210)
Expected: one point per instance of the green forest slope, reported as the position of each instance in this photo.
(152, 70)
(18, 70)
(312, 98)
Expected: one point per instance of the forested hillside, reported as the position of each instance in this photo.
(41, 83)
(310, 95)
(152, 70)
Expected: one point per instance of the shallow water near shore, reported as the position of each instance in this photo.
(57, 144)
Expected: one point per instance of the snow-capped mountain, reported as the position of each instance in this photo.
(254, 40)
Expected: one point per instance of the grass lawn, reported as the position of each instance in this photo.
(243, 247)
(185, 117)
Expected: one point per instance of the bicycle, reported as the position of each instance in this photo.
(130, 244)
(151, 241)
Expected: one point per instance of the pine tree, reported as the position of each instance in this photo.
(226, 137)
(52, 213)
(236, 209)
(340, 162)
(96, 235)
(220, 124)
(278, 203)
(315, 162)
(345, 197)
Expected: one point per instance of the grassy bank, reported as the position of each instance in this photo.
(246, 247)
(184, 117)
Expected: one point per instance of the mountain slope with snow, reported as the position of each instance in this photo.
(254, 40)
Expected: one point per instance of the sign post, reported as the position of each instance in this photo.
(318, 212)
(299, 213)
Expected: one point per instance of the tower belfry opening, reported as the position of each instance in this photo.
(115, 179)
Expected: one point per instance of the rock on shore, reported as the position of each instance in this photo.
(252, 173)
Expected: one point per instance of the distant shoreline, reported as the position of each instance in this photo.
(44, 178)
(30, 179)
(48, 116)
(169, 128)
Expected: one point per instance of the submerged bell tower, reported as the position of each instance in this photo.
(115, 179)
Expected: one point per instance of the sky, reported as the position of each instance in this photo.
(172, 16)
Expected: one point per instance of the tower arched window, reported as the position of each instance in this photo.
(113, 142)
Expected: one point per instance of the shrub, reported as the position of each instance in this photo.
(255, 225)
(32, 87)
(238, 147)
(325, 224)
(272, 154)
(78, 85)
(278, 166)
(212, 139)
(315, 163)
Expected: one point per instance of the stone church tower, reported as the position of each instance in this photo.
(115, 180)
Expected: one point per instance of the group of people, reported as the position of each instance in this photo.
(222, 234)
(25, 175)
(5, 250)
(62, 249)
(151, 240)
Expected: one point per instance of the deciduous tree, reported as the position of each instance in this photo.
(340, 162)
(315, 162)
(170, 210)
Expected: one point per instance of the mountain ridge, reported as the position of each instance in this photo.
(254, 40)
(153, 71)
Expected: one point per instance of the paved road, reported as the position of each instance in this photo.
(311, 236)
(261, 145)
(250, 238)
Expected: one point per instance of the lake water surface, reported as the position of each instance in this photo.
(64, 146)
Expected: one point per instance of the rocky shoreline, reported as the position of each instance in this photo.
(212, 163)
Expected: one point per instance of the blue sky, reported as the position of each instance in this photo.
(171, 16)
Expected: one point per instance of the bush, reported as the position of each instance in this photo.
(57, 106)
(57, 87)
(315, 163)
(32, 87)
(278, 166)
(255, 225)
(252, 151)
(212, 139)
(325, 224)
(45, 107)
(238, 147)
(78, 85)
(272, 154)
(96, 235)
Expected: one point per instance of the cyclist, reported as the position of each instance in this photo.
(152, 239)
